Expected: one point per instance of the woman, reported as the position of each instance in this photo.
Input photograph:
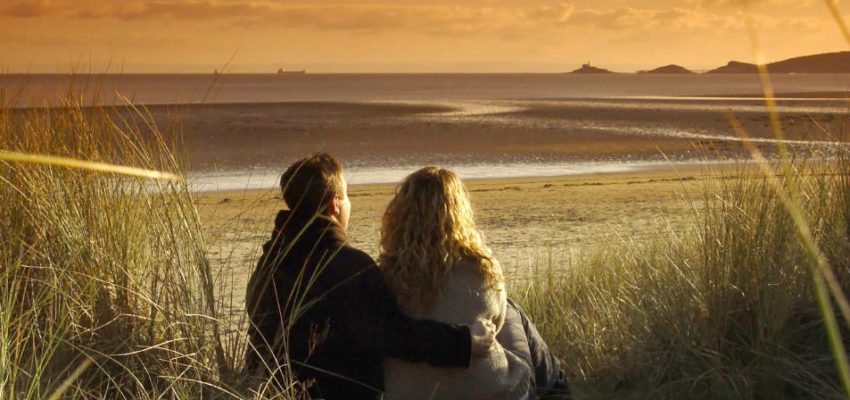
(434, 259)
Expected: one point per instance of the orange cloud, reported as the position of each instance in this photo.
(748, 3)
(633, 20)
(557, 13)
(436, 19)
(476, 18)
(32, 8)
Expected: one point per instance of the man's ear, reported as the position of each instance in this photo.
(333, 205)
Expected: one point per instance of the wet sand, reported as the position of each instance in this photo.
(267, 135)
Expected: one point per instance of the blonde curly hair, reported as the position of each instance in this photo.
(427, 228)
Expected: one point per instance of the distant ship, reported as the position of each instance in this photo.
(284, 72)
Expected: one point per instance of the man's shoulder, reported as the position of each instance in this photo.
(354, 257)
(353, 267)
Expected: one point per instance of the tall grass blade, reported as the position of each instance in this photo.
(66, 384)
(839, 19)
(86, 165)
(789, 195)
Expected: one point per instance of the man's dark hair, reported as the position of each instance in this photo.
(310, 183)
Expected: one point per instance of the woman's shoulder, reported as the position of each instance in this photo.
(477, 264)
(469, 265)
(475, 270)
(469, 295)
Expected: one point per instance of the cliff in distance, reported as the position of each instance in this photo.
(826, 63)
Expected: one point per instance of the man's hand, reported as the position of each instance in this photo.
(483, 335)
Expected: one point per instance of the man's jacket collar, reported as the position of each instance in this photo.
(307, 228)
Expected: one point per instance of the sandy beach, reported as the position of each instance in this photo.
(526, 220)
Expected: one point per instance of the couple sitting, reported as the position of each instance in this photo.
(419, 324)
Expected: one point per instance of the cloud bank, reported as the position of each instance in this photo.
(474, 18)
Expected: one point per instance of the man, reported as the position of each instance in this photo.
(519, 335)
(320, 310)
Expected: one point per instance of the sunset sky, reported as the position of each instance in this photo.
(403, 35)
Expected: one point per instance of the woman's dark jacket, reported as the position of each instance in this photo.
(324, 306)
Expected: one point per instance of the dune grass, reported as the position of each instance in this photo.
(105, 289)
(723, 307)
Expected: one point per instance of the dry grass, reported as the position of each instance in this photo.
(723, 307)
(106, 290)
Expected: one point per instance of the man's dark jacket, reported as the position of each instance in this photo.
(326, 306)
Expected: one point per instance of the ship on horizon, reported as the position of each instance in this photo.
(282, 71)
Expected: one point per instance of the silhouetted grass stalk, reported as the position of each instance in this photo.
(839, 19)
(824, 281)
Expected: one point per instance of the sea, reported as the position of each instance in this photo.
(467, 96)
(34, 89)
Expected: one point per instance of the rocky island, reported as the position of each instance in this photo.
(588, 69)
(668, 69)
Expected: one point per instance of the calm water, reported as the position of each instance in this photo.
(227, 88)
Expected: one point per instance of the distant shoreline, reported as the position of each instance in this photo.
(822, 63)
(258, 181)
(828, 95)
